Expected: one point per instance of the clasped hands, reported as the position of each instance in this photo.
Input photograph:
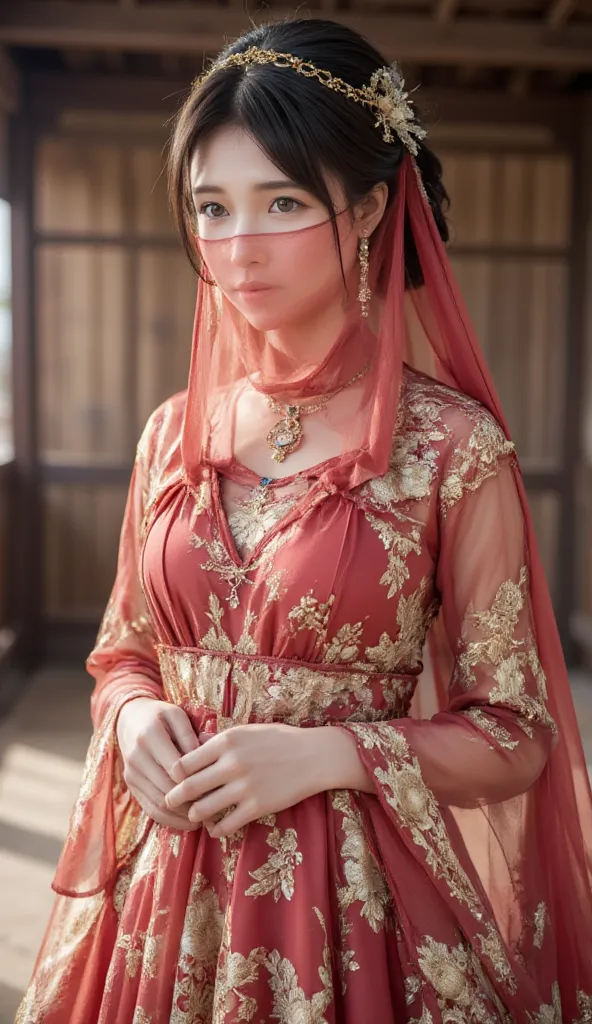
(248, 771)
(244, 773)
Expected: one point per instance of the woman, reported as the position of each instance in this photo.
(334, 495)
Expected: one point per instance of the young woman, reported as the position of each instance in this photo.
(332, 513)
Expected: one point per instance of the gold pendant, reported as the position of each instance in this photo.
(286, 436)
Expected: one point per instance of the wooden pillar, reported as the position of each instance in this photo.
(27, 565)
(582, 615)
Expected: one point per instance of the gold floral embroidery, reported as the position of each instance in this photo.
(450, 970)
(549, 1014)
(115, 628)
(201, 940)
(256, 515)
(236, 576)
(584, 1009)
(290, 1005)
(277, 874)
(231, 846)
(413, 620)
(413, 985)
(508, 653)
(141, 1017)
(141, 951)
(415, 805)
(270, 692)
(489, 725)
(155, 460)
(310, 613)
(426, 1017)
(216, 639)
(475, 460)
(234, 971)
(220, 562)
(142, 864)
(366, 883)
(344, 647)
(398, 547)
(540, 917)
(74, 920)
(414, 459)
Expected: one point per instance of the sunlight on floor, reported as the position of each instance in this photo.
(38, 789)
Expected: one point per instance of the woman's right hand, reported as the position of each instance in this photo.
(152, 736)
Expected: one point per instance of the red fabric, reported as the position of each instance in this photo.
(462, 891)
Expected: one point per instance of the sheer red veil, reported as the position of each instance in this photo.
(533, 850)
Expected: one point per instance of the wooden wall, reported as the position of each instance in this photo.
(511, 220)
(115, 303)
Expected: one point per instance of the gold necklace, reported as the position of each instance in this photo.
(286, 436)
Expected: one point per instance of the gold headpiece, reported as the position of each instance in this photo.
(385, 94)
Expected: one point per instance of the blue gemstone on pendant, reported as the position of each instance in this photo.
(266, 480)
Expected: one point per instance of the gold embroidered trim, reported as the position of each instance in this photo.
(416, 808)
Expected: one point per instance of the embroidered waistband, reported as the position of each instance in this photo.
(241, 688)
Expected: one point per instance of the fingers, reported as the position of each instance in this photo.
(151, 800)
(206, 754)
(216, 803)
(145, 765)
(157, 742)
(198, 785)
(236, 819)
(181, 729)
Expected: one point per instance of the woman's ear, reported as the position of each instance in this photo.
(369, 212)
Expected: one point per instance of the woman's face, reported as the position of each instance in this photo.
(250, 218)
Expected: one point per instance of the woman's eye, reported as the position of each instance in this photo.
(286, 205)
(211, 210)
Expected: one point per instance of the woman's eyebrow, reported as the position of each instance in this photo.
(261, 186)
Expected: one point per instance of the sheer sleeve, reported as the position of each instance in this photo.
(107, 823)
(493, 740)
(455, 811)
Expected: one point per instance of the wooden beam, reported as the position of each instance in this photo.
(445, 11)
(559, 12)
(195, 30)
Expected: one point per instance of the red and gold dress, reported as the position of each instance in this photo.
(429, 902)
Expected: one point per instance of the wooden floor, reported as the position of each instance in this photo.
(42, 748)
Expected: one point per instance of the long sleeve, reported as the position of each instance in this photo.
(493, 740)
(107, 823)
(488, 746)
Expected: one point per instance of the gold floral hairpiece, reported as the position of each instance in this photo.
(385, 95)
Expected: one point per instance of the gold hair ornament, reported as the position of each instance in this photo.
(385, 95)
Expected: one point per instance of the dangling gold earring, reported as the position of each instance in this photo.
(364, 293)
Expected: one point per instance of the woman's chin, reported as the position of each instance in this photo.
(268, 320)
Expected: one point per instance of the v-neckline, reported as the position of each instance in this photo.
(223, 525)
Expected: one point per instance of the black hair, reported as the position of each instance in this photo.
(305, 128)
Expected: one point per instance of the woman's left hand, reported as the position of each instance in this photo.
(254, 769)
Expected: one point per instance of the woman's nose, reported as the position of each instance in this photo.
(246, 250)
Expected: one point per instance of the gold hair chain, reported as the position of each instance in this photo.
(385, 94)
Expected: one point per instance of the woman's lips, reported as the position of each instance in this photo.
(253, 293)
(252, 287)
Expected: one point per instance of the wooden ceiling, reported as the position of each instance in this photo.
(515, 45)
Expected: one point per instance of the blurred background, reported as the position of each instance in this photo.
(96, 307)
